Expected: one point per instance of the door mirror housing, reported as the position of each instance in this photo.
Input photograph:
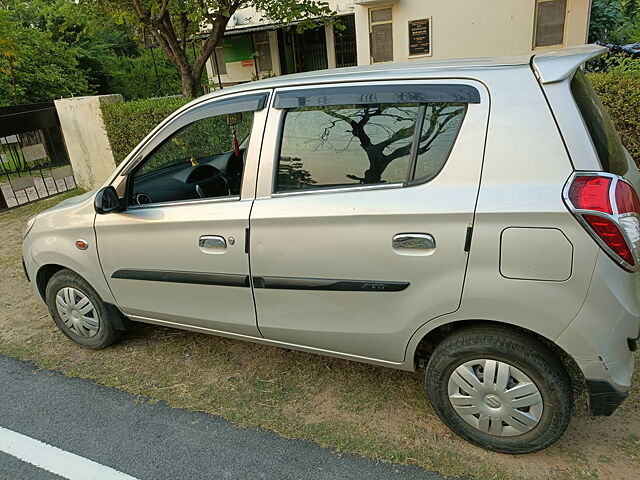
(107, 201)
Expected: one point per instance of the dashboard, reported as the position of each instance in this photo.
(179, 182)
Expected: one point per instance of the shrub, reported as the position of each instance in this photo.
(139, 77)
(620, 94)
(128, 123)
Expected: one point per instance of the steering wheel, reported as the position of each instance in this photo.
(215, 186)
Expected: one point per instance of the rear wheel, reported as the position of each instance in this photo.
(79, 312)
(500, 389)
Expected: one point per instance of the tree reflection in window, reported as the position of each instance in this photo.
(364, 144)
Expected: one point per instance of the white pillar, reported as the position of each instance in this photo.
(362, 35)
(275, 52)
(86, 138)
(331, 46)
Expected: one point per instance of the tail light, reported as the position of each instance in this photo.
(607, 206)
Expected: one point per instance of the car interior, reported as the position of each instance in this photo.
(190, 177)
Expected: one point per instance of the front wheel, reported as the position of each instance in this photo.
(500, 389)
(79, 312)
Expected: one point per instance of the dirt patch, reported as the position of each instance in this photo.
(373, 411)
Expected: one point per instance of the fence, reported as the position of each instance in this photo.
(33, 159)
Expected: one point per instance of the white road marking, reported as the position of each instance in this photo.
(55, 460)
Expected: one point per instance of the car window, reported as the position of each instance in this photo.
(601, 130)
(441, 125)
(347, 145)
(201, 139)
(204, 159)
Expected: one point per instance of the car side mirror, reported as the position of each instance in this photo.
(107, 201)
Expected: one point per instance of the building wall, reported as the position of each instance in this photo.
(458, 29)
(469, 28)
(86, 138)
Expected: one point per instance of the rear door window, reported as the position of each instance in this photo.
(601, 130)
(365, 144)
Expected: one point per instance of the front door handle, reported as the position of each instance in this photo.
(212, 244)
(413, 243)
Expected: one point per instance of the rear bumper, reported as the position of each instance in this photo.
(602, 336)
(604, 398)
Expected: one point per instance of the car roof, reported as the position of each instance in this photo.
(380, 71)
(549, 67)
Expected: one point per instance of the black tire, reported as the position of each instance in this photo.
(519, 350)
(106, 333)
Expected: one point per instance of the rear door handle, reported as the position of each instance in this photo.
(413, 243)
(212, 244)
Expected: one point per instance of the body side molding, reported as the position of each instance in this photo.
(281, 283)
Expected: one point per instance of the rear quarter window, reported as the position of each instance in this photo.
(601, 130)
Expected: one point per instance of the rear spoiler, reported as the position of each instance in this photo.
(558, 65)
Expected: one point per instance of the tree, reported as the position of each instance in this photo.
(173, 23)
(396, 142)
(291, 174)
(38, 68)
(615, 21)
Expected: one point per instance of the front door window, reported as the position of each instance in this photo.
(204, 159)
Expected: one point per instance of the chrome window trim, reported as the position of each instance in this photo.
(195, 201)
(357, 188)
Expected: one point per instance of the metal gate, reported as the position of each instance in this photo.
(33, 157)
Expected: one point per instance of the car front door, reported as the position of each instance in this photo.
(177, 254)
(359, 227)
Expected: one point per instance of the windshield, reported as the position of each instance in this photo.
(601, 130)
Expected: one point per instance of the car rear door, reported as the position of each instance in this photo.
(365, 197)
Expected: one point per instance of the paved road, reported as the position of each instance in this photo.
(154, 441)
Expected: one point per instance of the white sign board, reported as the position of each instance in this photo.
(34, 152)
(9, 139)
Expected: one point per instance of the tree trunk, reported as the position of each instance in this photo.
(163, 31)
(190, 86)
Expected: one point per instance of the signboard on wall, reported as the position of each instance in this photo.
(237, 48)
(420, 37)
(34, 152)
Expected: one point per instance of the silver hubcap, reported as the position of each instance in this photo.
(77, 312)
(495, 397)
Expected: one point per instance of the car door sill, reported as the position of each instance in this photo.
(275, 343)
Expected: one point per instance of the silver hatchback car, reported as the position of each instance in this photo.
(477, 217)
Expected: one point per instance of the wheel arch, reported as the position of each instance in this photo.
(425, 342)
(44, 274)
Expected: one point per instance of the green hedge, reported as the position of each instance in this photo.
(129, 122)
(620, 94)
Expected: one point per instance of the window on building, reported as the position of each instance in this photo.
(549, 25)
(221, 66)
(263, 51)
(345, 42)
(381, 34)
(365, 144)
